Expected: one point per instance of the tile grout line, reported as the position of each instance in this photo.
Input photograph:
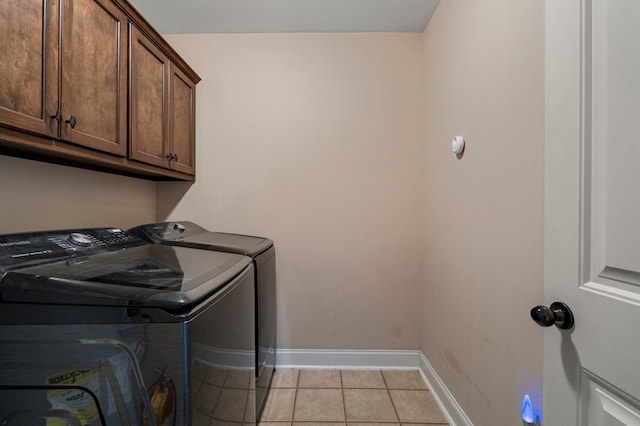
(246, 405)
(344, 404)
(395, 410)
(295, 396)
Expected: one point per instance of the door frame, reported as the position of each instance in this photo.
(566, 148)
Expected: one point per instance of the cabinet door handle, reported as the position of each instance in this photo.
(171, 157)
(175, 157)
(58, 116)
(72, 120)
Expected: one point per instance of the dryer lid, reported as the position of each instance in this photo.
(189, 234)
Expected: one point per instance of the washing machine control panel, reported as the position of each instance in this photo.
(38, 246)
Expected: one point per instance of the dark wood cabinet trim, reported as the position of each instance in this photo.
(34, 147)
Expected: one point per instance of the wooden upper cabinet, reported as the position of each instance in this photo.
(94, 75)
(29, 65)
(90, 83)
(162, 108)
(182, 95)
(149, 121)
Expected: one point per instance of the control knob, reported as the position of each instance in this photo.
(80, 240)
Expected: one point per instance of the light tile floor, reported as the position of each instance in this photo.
(351, 398)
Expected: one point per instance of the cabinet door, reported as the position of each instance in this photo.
(149, 126)
(94, 75)
(29, 65)
(182, 121)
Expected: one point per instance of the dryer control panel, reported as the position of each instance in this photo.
(168, 231)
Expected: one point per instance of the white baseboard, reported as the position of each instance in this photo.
(445, 399)
(376, 360)
(353, 359)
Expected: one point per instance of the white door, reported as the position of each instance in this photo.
(592, 211)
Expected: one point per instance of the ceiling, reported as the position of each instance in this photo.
(283, 16)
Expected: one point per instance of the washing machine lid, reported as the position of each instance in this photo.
(133, 274)
(188, 234)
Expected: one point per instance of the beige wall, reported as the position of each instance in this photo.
(314, 140)
(40, 196)
(483, 220)
(329, 145)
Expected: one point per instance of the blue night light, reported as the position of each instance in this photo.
(528, 415)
